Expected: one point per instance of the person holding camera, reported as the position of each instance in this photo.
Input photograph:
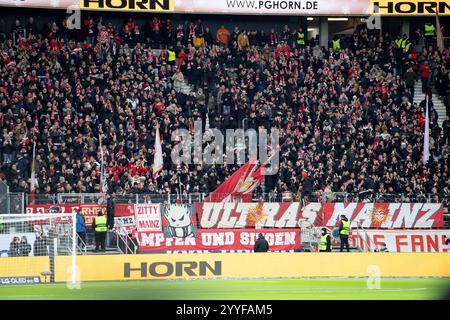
(8, 148)
(14, 247)
(40, 246)
(24, 247)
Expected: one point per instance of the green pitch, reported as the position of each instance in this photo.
(267, 289)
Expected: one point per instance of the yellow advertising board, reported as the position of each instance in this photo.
(410, 7)
(129, 5)
(256, 7)
(23, 266)
(234, 265)
(237, 265)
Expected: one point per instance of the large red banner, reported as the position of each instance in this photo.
(232, 215)
(88, 211)
(401, 240)
(288, 215)
(256, 215)
(223, 240)
(386, 215)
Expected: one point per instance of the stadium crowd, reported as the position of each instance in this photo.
(347, 119)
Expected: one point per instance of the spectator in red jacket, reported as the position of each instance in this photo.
(283, 49)
(424, 75)
(155, 34)
(273, 38)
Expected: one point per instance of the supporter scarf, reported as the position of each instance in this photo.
(36, 123)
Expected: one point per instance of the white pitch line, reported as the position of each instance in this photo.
(29, 295)
(301, 290)
(318, 290)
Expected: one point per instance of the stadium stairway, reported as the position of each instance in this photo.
(111, 245)
(437, 102)
(91, 251)
(338, 248)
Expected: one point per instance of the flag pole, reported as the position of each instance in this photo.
(33, 174)
(34, 152)
(439, 36)
(426, 138)
(155, 176)
(157, 156)
(179, 185)
(102, 173)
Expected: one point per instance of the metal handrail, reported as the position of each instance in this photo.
(128, 238)
(308, 232)
(124, 238)
(117, 242)
(69, 248)
(84, 248)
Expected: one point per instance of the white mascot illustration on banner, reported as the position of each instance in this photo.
(178, 221)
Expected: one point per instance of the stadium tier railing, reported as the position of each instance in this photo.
(15, 202)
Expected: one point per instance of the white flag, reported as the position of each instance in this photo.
(426, 137)
(207, 123)
(158, 157)
(439, 35)
(33, 182)
(103, 182)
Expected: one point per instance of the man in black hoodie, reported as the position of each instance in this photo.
(110, 211)
(307, 185)
(261, 245)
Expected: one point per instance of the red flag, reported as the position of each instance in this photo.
(246, 188)
(251, 183)
(259, 174)
(230, 186)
